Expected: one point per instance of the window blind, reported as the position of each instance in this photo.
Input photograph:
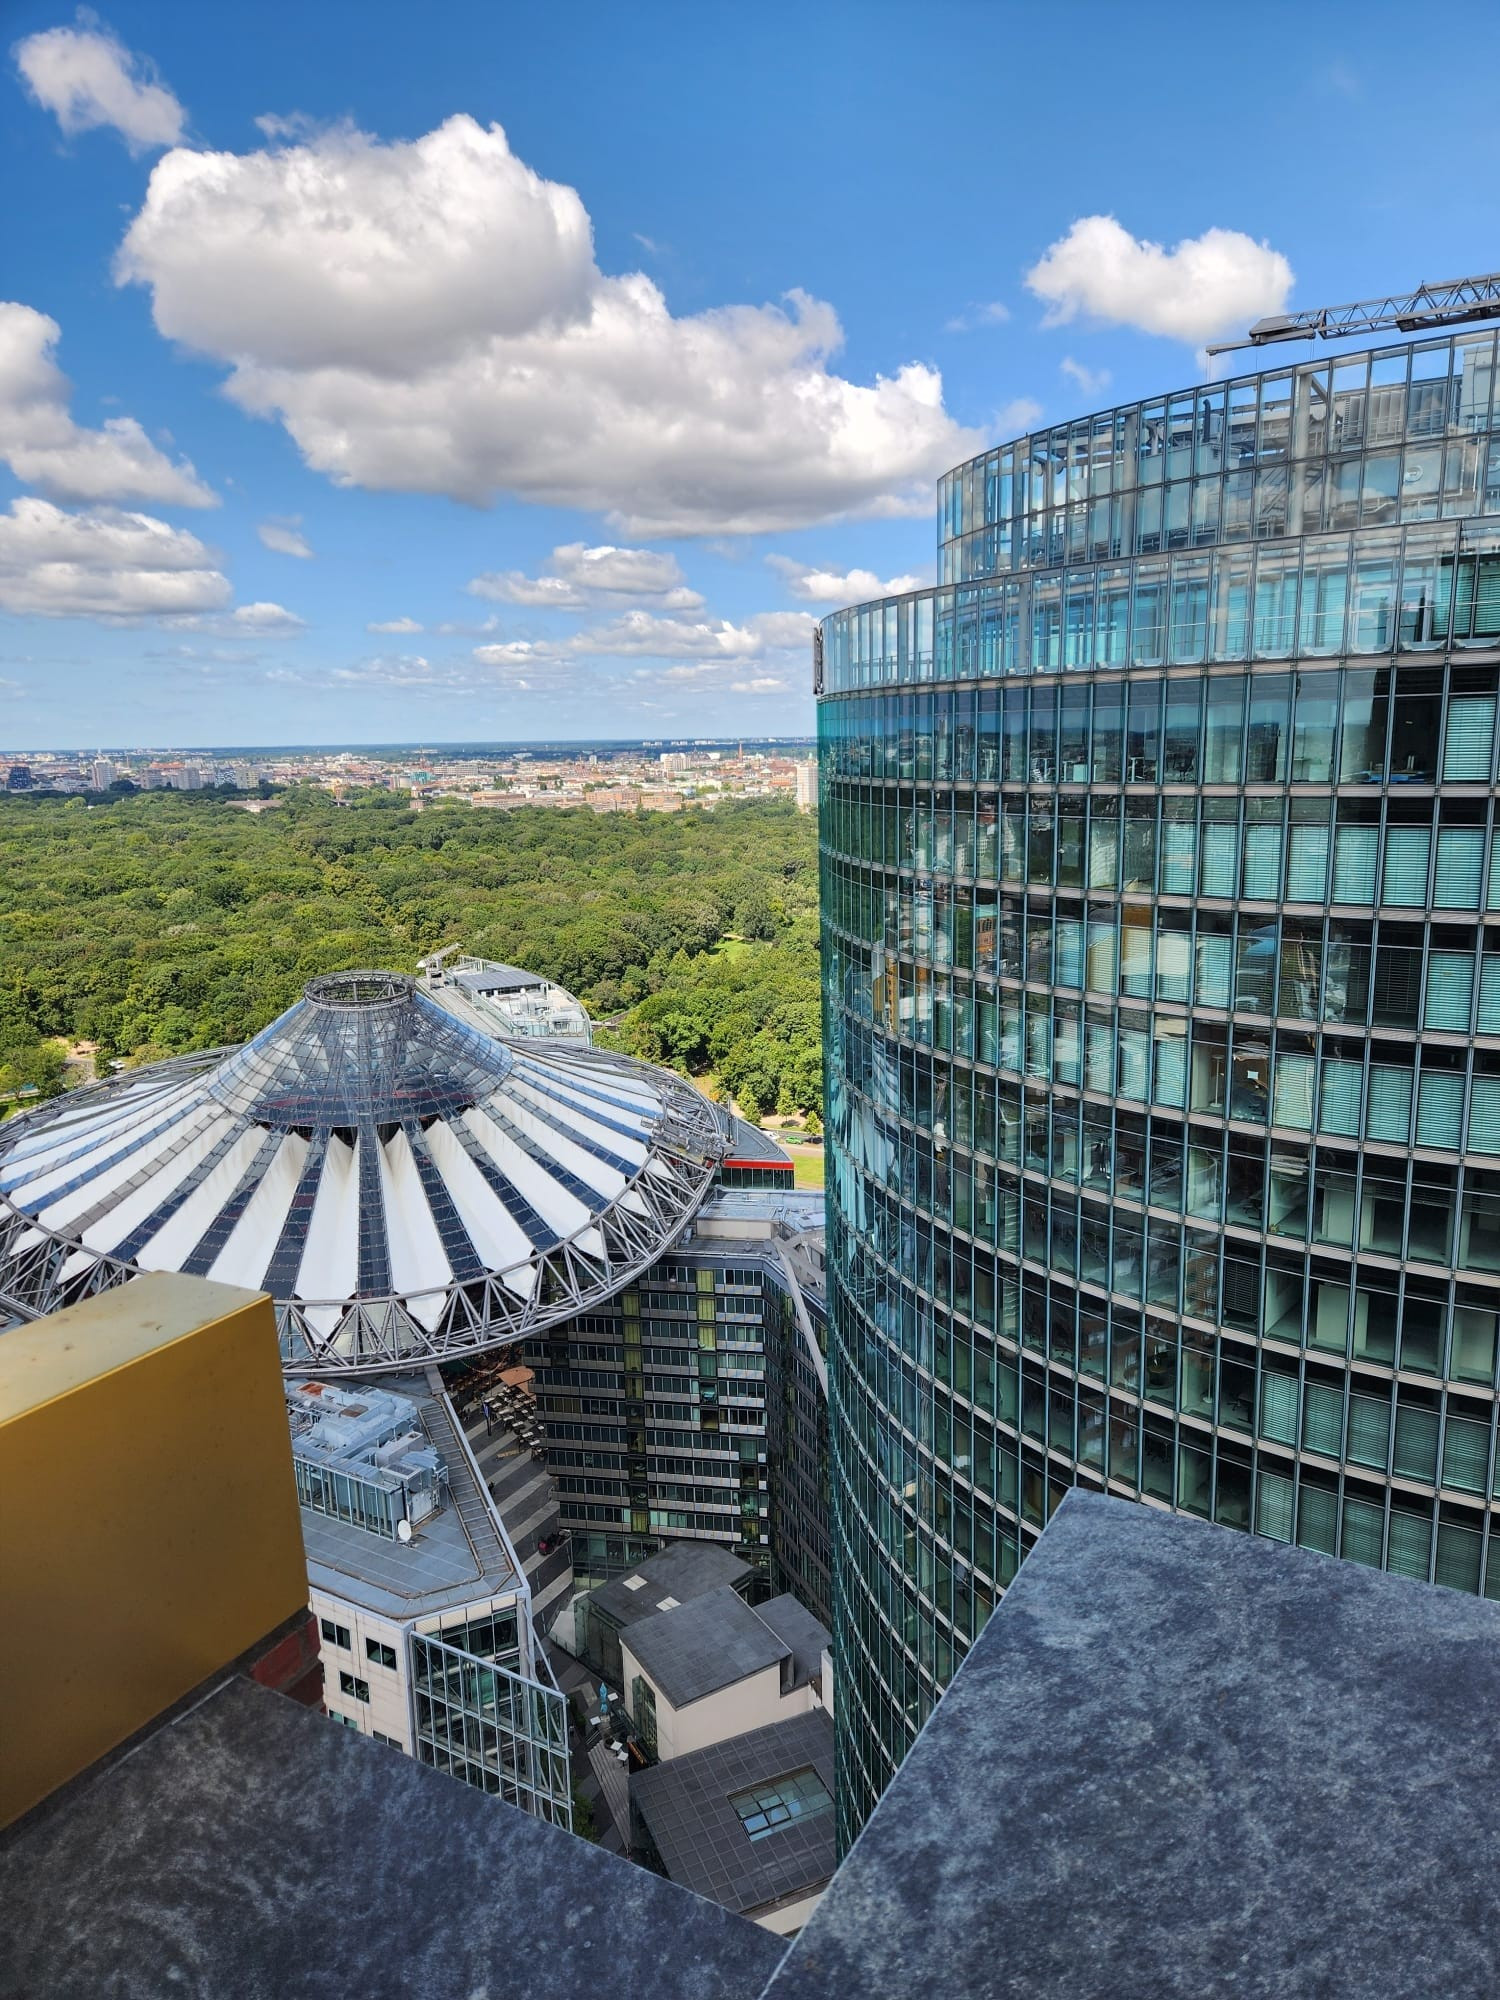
(1440, 1109)
(1317, 1520)
(1466, 1454)
(1416, 1443)
(1133, 1063)
(1354, 851)
(1364, 1531)
(1215, 964)
(1338, 1108)
(1470, 738)
(1484, 1115)
(1262, 862)
(1450, 990)
(1174, 966)
(1405, 880)
(1492, 900)
(1278, 1408)
(1307, 864)
(1218, 854)
(1273, 1507)
(1458, 1551)
(1070, 952)
(1292, 1096)
(1169, 1085)
(1388, 1105)
(1178, 855)
(1459, 875)
(1322, 1419)
(1489, 995)
(1411, 1540)
(1369, 1431)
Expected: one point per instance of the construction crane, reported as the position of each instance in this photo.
(1451, 303)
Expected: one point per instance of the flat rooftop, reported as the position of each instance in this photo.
(455, 1557)
(709, 1643)
(682, 1570)
(687, 1808)
(1183, 1762)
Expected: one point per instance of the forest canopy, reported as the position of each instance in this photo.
(159, 923)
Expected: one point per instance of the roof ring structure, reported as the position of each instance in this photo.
(405, 1187)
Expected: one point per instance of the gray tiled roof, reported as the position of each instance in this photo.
(797, 1628)
(683, 1570)
(703, 1646)
(685, 1807)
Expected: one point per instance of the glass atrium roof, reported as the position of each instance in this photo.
(405, 1187)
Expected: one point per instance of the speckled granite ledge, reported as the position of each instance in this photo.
(251, 1850)
(1183, 1762)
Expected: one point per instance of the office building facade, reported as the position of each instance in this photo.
(1161, 937)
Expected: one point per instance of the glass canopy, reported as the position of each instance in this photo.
(403, 1186)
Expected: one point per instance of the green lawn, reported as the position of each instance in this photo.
(808, 1163)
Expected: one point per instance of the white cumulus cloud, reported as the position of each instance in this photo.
(427, 316)
(576, 577)
(103, 564)
(394, 625)
(284, 538)
(44, 446)
(1088, 381)
(1207, 284)
(269, 621)
(832, 586)
(87, 78)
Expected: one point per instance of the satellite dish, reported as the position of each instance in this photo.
(403, 1531)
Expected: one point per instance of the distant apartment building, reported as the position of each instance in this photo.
(807, 785)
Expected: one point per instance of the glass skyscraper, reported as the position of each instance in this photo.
(1161, 931)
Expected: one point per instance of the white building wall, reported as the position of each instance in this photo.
(752, 1703)
(388, 1711)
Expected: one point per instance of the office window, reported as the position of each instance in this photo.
(357, 1690)
(380, 1653)
(392, 1742)
(336, 1635)
(348, 1721)
(801, 1795)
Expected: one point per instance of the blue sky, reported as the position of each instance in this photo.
(595, 417)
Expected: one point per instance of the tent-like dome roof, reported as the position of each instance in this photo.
(404, 1187)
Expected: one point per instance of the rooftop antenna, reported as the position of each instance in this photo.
(1454, 302)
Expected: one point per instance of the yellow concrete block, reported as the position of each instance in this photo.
(149, 1531)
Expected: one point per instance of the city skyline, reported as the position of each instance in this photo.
(484, 381)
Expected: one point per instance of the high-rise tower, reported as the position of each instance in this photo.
(1161, 928)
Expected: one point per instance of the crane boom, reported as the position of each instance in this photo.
(1448, 304)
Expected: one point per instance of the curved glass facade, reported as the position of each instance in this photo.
(1161, 928)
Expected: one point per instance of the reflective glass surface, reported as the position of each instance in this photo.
(1161, 947)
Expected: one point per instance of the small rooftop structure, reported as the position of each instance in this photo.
(698, 1649)
(506, 1000)
(455, 1551)
(748, 1822)
(679, 1573)
(806, 1638)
